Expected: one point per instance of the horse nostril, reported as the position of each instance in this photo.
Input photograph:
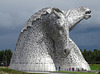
(87, 12)
(65, 51)
(90, 11)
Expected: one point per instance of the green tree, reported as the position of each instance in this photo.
(89, 56)
(96, 54)
(2, 56)
(85, 54)
(5, 57)
(8, 55)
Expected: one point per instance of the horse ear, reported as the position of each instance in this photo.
(57, 10)
(57, 14)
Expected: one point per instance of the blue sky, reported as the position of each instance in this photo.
(15, 13)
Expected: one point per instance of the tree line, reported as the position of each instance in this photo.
(5, 57)
(92, 57)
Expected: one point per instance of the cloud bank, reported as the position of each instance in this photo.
(15, 13)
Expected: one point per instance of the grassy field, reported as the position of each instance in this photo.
(76, 72)
(5, 70)
(95, 66)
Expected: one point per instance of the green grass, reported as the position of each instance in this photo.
(76, 72)
(95, 66)
(5, 70)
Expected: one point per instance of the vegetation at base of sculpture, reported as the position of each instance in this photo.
(5, 70)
